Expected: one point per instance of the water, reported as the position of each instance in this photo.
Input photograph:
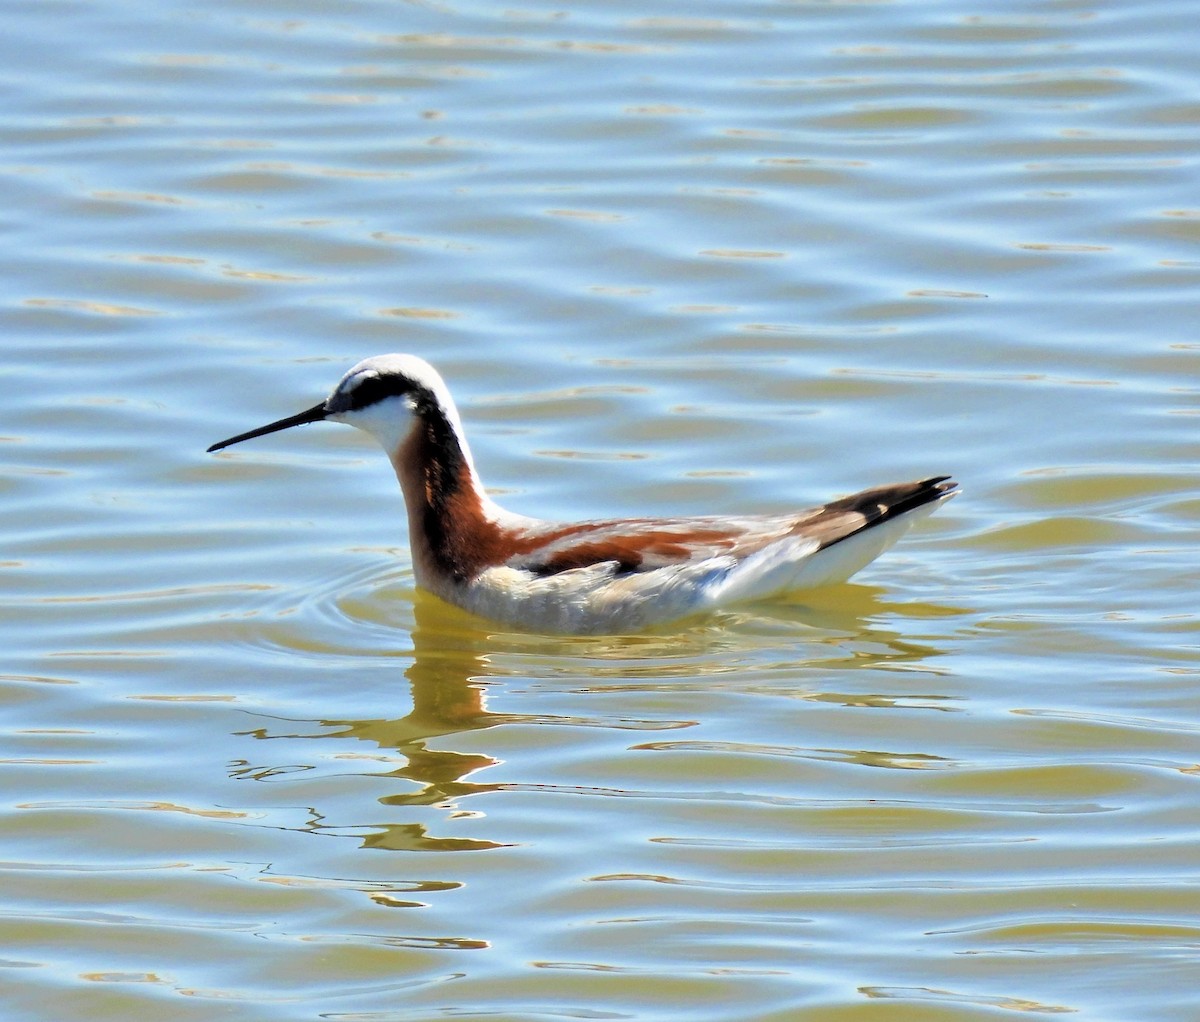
(733, 257)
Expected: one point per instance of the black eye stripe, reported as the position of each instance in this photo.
(373, 389)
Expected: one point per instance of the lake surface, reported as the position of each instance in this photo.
(700, 258)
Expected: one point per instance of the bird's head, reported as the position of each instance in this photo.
(385, 395)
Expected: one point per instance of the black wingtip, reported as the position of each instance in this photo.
(924, 492)
(880, 503)
(943, 484)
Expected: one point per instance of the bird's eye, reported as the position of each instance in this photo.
(339, 401)
(368, 390)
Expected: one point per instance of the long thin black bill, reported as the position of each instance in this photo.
(315, 414)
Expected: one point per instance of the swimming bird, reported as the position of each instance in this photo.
(590, 577)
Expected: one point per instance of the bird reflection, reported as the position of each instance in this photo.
(791, 652)
(447, 698)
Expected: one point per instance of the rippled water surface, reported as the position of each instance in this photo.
(678, 258)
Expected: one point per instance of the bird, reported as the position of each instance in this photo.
(607, 576)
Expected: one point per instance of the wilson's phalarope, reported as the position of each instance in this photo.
(597, 576)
